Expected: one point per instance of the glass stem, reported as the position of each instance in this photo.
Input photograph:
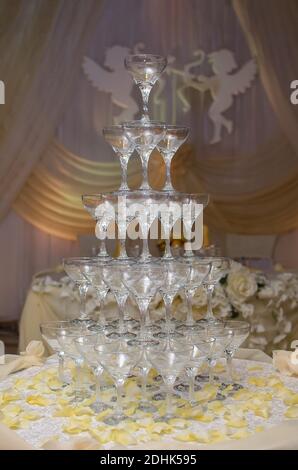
(97, 375)
(145, 159)
(210, 290)
(101, 318)
(169, 401)
(168, 299)
(145, 250)
(145, 90)
(211, 364)
(168, 160)
(144, 387)
(191, 388)
(79, 378)
(119, 403)
(102, 247)
(143, 307)
(121, 300)
(83, 288)
(123, 164)
(122, 240)
(61, 373)
(189, 297)
(229, 358)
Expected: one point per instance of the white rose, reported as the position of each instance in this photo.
(241, 285)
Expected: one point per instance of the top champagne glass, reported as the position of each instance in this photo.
(145, 70)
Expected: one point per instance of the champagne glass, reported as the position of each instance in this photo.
(145, 70)
(193, 212)
(93, 274)
(118, 359)
(54, 334)
(199, 270)
(144, 136)
(201, 352)
(175, 276)
(123, 147)
(219, 268)
(86, 348)
(221, 339)
(143, 279)
(74, 268)
(169, 359)
(174, 137)
(239, 332)
(112, 275)
(101, 211)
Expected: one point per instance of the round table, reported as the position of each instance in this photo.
(258, 414)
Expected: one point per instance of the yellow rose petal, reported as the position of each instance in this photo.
(30, 416)
(191, 437)
(37, 400)
(216, 436)
(240, 434)
(257, 381)
(236, 422)
(122, 437)
(291, 399)
(292, 412)
(255, 368)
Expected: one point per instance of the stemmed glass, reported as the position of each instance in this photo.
(199, 270)
(171, 210)
(74, 268)
(144, 367)
(215, 350)
(144, 136)
(239, 331)
(59, 336)
(169, 359)
(219, 268)
(123, 147)
(202, 350)
(112, 275)
(192, 213)
(174, 137)
(145, 70)
(175, 276)
(118, 359)
(93, 274)
(50, 332)
(96, 206)
(86, 348)
(143, 280)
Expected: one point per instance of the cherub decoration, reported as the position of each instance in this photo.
(223, 86)
(113, 79)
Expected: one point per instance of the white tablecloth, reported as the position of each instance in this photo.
(278, 433)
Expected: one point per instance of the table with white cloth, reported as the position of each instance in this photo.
(262, 414)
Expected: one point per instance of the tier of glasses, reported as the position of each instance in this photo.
(181, 358)
(144, 207)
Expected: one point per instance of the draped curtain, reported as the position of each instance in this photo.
(41, 44)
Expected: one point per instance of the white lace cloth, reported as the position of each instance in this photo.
(49, 427)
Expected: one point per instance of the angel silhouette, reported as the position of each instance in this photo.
(113, 79)
(223, 86)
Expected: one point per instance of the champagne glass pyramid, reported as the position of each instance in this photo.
(145, 70)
